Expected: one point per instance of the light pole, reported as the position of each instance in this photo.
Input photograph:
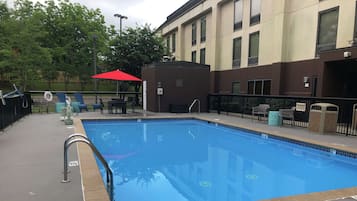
(121, 17)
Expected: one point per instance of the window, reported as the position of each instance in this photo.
(253, 56)
(237, 45)
(238, 14)
(193, 56)
(174, 42)
(259, 87)
(203, 56)
(236, 88)
(327, 30)
(254, 11)
(203, 29)
(194, 33)
(168, 45)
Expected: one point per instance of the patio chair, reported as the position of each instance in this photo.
(99, 105)
(61, 101)
(79, 98)
(260, 110)
(287, 114)
(61, 97)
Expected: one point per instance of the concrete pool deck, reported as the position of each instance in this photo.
(31, 152)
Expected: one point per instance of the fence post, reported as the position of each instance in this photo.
(219, 101)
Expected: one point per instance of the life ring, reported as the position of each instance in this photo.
(48, 96)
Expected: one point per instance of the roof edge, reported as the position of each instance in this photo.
(180, 11)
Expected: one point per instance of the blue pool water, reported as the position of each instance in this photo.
(191, 160)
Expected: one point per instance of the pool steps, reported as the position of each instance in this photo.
(193, 103)
(78, 137)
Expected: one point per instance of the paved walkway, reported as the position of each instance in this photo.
(31, 155)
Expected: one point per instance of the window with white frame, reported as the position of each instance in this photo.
(203, 29)
(255, 6)
(238, 14)
(253, 56)
(193, 56)
(203, 56)
(327, 30)
(173, 42)
(237, 45)
(194, 33)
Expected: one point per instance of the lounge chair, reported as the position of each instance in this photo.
(61, 101)
(99, 105)
(260, 110)
(287, 114)
(61, 97)
(79, 98)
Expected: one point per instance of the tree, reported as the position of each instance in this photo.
(21, 37)
(134, 48)
(72, 28)
(5, 52)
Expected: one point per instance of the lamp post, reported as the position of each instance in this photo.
(95, 66)
(121, 17)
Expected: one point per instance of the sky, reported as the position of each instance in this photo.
(139, 12)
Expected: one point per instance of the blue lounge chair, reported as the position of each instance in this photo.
(61, 97)
(61, 101)
(99, 105)
(79, 98)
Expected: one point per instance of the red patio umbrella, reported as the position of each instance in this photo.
(117, 75)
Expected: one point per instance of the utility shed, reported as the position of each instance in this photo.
(173, 86)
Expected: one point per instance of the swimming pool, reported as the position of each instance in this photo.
(195, 160)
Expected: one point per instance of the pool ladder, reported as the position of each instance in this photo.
(78, 137)
(193, 103)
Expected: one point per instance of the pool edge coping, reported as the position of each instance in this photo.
(92, 184)
(93, 189)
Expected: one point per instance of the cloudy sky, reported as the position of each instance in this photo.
(153, 12)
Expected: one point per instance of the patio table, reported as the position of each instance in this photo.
(114, 104)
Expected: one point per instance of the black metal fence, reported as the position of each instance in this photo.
(242, 105)
(14, 109)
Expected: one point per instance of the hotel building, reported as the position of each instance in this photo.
(269, 47)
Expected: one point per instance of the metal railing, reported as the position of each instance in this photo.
(78, 137)
(242, 105)
(193, 103)
(14, 107)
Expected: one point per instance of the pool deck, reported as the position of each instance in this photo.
(31, 152)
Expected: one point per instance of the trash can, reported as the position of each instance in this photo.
(75, 107)
(60, 106)
(274, 118)
(323, 118)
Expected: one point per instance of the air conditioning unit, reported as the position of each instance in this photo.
(168, 58)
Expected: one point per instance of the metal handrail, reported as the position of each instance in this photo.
(193, 103)
(68, 142)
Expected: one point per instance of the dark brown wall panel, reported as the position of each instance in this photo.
(182, 83)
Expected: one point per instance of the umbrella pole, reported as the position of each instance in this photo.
(117, 88)
(96, 91)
